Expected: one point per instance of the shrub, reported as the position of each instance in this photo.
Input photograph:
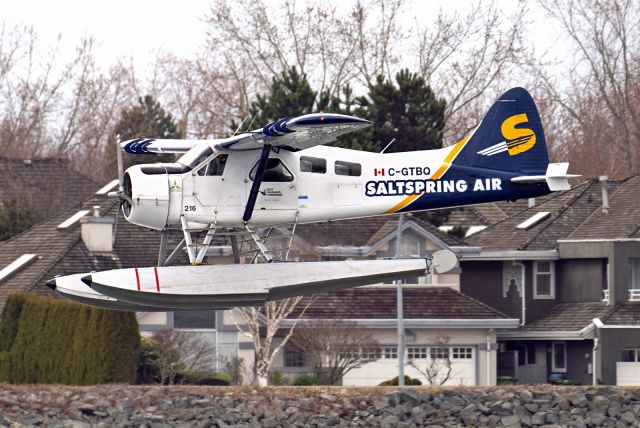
(234, 367)
(9, 320)
(407, 381)
(55, 341)
(306, 380)
(203, 377)
(277, 378)
(148, 370)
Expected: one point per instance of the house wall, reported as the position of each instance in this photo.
(537, 307)
(581, 280)
(468, 372)
(611, 343)
(579, 357)
(482, 280)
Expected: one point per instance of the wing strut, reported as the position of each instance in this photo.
(257, 181)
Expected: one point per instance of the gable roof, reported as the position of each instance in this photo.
(62, 251)
(420, 302)
(567, 211)
(49, 185)
(366, 231)
(623, 219)
(576, 317)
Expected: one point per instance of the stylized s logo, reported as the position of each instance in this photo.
(518, 139)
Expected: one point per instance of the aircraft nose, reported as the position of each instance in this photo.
(86, 280)
(52, 284)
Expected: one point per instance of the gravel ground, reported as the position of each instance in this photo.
(186, 406)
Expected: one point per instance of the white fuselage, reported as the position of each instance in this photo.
(331, 187)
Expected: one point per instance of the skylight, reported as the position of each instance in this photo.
(16, 265)
(71, 221)
(474, 229)
(110, 185)
(533, 220)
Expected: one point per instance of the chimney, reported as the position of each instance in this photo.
(605, 194)
(97, 232)
(531, 202)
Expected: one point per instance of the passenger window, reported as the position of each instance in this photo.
(275, 172)
(217, 164)
(348, 168)
(315, 165)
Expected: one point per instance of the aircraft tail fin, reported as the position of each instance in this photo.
(510, 138)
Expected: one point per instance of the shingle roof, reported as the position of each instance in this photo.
(570, 317)
(363, 231)
(62, 252)
(425, 302)
(576, 316)
(49, 185)
(623, 219)
(568, 211)
(627, 313)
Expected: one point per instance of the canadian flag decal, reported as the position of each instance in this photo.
(378, 172)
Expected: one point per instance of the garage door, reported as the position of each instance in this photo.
(628, 374)
(462, 359)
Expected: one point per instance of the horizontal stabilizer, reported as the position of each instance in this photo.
(216, 286)
(556, 177)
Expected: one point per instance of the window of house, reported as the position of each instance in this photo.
(417, 352)
(439, 353)
(543, 280)
(391, 352)
(293, 357)
(371, 353)
(409, 246)
(630, 355)
(465, 353)
(314, 165)
(348, 168)
(195, 319)
(274, 172)
(634, 283)
(217, 164)
(559, 357)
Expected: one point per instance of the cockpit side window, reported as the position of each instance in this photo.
(195, 156)
(275, 172)
(217, 164)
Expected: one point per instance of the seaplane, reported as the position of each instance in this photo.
(285, 174)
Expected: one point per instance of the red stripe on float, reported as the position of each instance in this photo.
(137, 278)
(155, 270)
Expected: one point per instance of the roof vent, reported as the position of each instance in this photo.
(17, 265)
(97, 232)
(605, 194)
(531, 202)
(533, 220)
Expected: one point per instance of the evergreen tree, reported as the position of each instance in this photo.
(147, 119)
(290, 94)
(16, 216)
(407, 111)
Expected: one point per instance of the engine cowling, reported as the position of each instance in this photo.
(148, 192)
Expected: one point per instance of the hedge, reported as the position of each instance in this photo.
(44, 340)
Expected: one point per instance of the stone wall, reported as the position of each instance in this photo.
(58, 406)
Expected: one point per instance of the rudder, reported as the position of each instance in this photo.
(509, 138)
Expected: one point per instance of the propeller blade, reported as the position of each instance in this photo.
(255, 187)
(120, 165)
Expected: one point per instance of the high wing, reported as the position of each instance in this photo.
(296, 133)
(141, 146)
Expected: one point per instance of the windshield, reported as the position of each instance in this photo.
(196, 156)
